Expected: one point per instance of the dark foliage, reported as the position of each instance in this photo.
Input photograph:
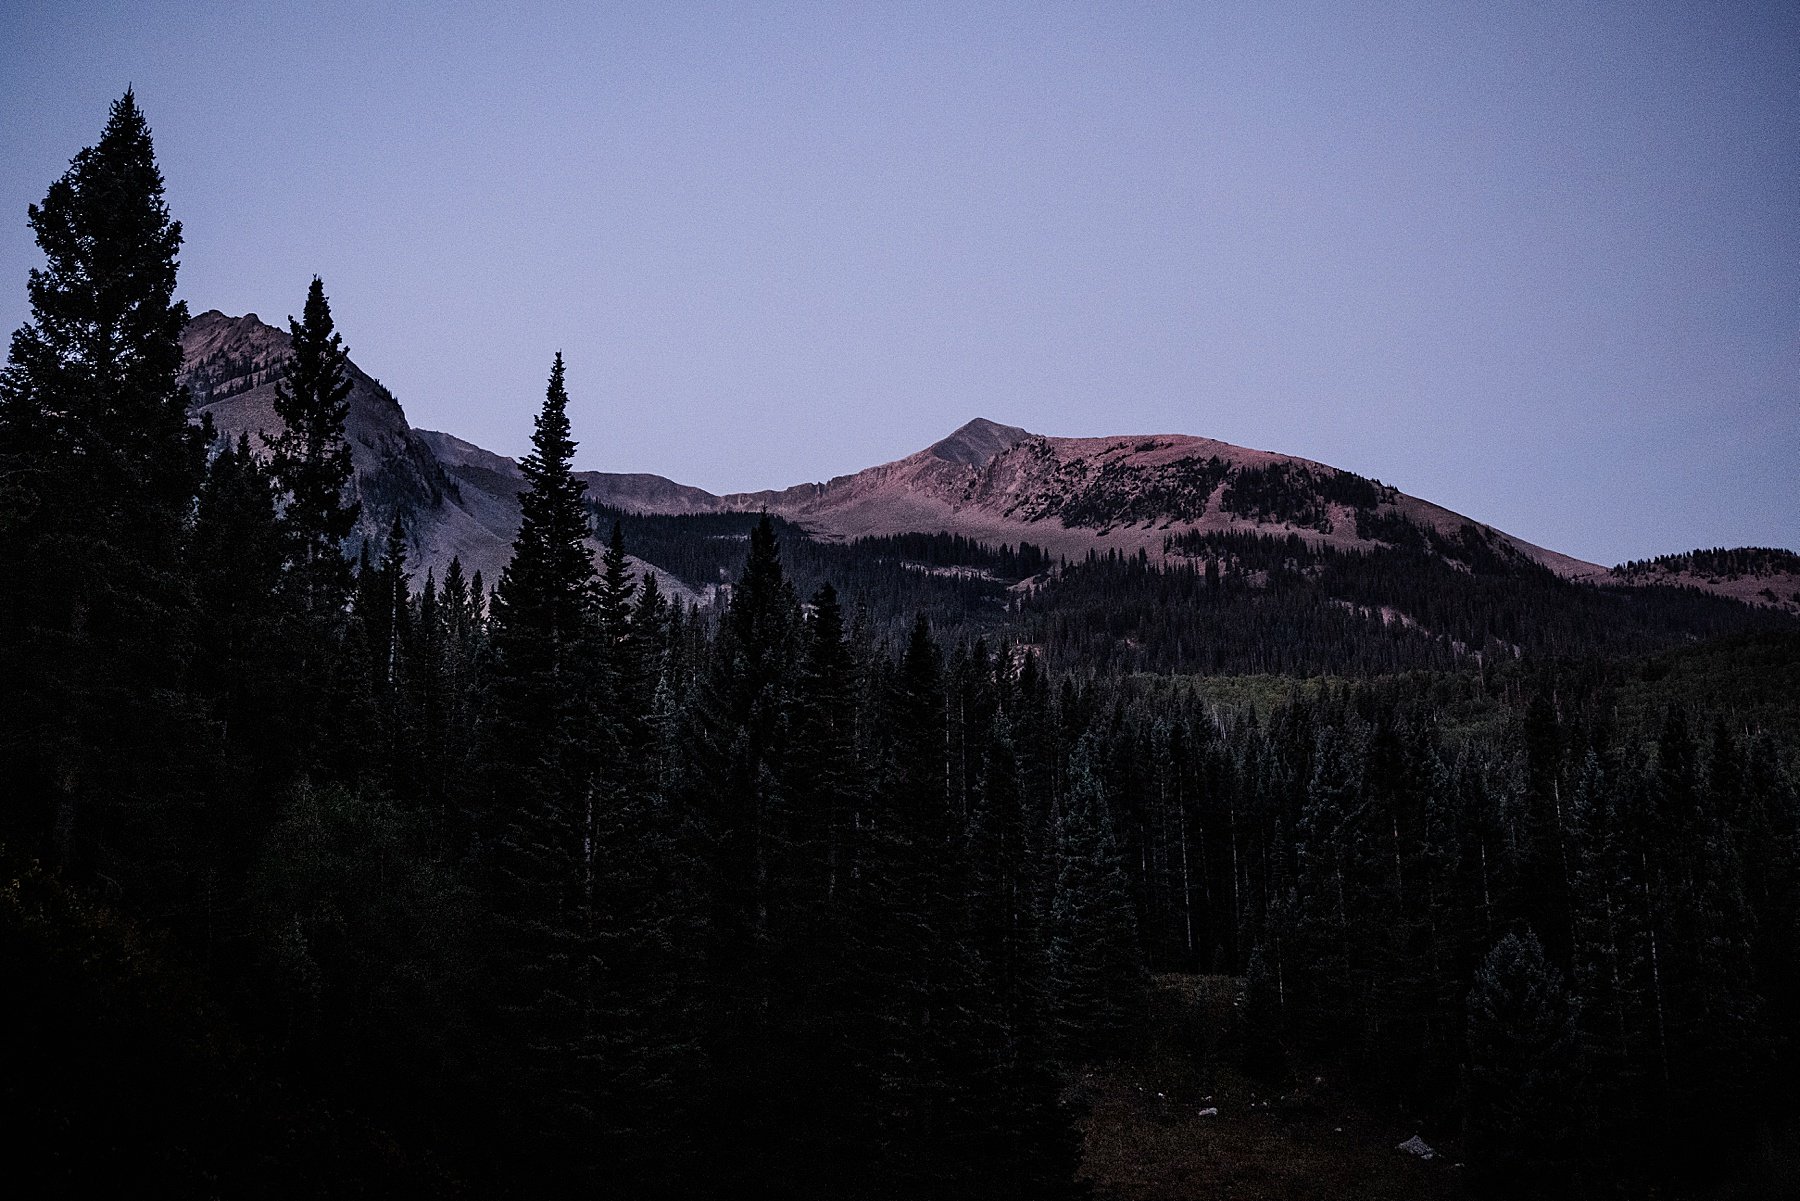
(333, 881)
(1723, 563)
(1258, 603)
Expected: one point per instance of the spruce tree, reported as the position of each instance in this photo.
(237, 555)
(540, 797)
(311, 464)
(99, 468)
(1523, 1071)
(738, 733)
(1544, 867)
(1098, 982)
(543, 606)
(1317, 950)
(919, 1042)
(1023, 1142)
(1006, 884)
(826, 795)
(387, 622)
(624, 683)
(822, 790)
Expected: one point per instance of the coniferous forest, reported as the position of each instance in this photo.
(325, 879)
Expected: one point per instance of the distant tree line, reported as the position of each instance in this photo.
(1233, 603)
(1720, 562)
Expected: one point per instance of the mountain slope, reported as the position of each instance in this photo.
(993, 483)
(455, 499)
(1756, 575)
(1071, 495)
(230, 366)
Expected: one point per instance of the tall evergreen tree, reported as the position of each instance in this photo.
(739, 734)
(1007, 882)
(1317, 960)
(386, 615)
(823, 770)
(913, 967)
(98, 472)
(1523, 1071)
(237, 555)
(1544, 865)
(310, 460)
(625, 683)
(543, 606)
(540, 794)
(1098, 982)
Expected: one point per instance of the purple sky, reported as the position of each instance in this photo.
(1538, 262)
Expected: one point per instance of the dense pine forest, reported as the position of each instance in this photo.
(325, 878)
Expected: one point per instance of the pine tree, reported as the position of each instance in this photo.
(1098, 982)
(543, 607)
(540, 793)
(1317, 950)
(237, 554)
(613, 592)
(1038, 750)
(467, 666)
(738, 734)
(386, 617)
(653, 626)
(1544, 866)
(1523, 1072)
(1612, 976)
(310, 461)
(823, 767)
(1007, 882)
(625, 682)
(643, 1016)
(98, 472)
(919, 1045)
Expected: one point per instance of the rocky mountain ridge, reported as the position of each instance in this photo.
(454, 499)
(986, 481)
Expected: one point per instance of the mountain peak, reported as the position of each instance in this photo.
(977, 442)
(216, 317)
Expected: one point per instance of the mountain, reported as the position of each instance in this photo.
(230, 366)
(998, 483)
(455, 499)
(988, 482)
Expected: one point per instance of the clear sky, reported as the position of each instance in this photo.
(1539, 262)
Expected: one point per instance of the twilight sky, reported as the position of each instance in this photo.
(1539, 262)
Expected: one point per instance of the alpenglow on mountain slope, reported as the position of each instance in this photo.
(992, 483)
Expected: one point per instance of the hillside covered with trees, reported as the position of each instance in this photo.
(324, 879)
